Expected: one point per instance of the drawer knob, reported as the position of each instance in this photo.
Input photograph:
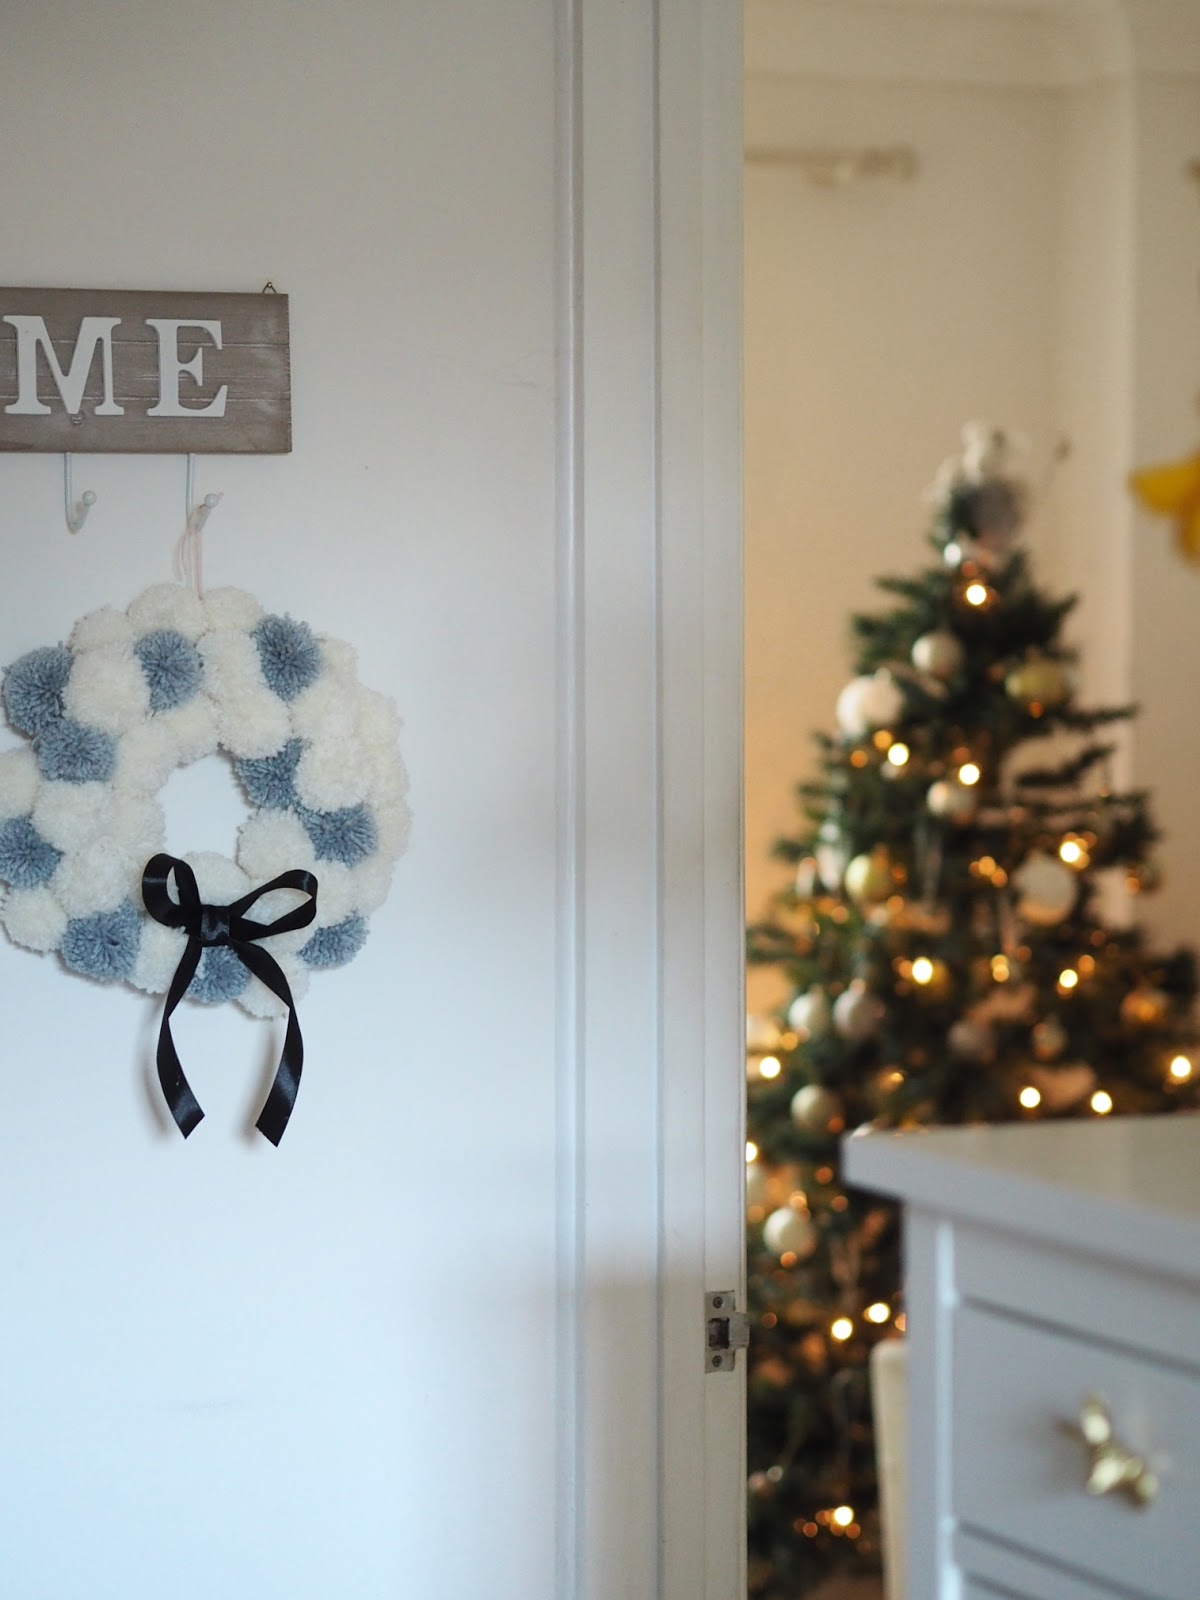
(1112, 1468)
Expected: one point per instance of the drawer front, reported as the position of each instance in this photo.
(1018, 1469)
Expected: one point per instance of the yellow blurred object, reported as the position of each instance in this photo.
(1173, 490)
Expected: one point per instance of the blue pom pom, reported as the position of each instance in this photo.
(26, 859)
(105, 945)
(271, 780)
(220, 976)
(73, 753)
(333, 947)
(347, 836)
(33, 688)
(290, 655)
(171, 666)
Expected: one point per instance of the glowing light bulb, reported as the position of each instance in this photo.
(1000, 969)
(769, 1067)
(922, 970)
(1181, 1069)
(1070, 852)
(751, 1151)
(841, 1329)
(898, 754)
(843, 1516)
(969, 773)
(1029, 1097)
(1102, 1102)
(878, 1313)
(1068, 978)
(976, 594)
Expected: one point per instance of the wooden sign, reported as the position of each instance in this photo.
(121, 370)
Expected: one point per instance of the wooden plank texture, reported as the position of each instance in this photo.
(143, 368)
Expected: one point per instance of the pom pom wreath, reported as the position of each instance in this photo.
(72, 753)
(103, 946)
(33, 689)
(168, 682)
(290, 655)
(18, 782)
(26, 859)
(347, 836)
(33, 918)
(333, 947)
(106, 690)
(172, 668)
(169, 606)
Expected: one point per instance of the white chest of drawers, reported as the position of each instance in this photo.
(1053, 1275)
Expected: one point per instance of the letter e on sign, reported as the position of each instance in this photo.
(122, 370)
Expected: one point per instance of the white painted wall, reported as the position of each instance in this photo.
(423, 1347)
(1040, 271)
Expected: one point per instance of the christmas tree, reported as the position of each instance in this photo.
(956, 949)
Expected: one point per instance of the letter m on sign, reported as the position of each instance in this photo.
(33, 336)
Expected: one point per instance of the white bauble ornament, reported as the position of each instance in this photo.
(971, 1041)
(808, 1014)
(790, 1232)
(857, 1015)
(951, 800)
(1046, 889)
(867, 703)
(1062, 1087)
(816, 1109)
(940, 653)
(868, 877)
(830, 854)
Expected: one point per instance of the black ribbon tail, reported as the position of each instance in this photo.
(281, 1097)
(177, 1091)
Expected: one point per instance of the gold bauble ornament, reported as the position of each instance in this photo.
(1038, 682)
(808, 1014)
(1145, 1007)
(952, 801)
(869, 878)
(940, 653)
(857, 1014)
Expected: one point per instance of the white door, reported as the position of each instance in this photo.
(445, 1341)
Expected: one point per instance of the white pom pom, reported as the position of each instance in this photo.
(146, 757)
(158, 956)
(101, 628)
(138, 827)
(33, 918)
(372, 880)
(19, 781)
(259, 1001)
(253, 723)
(232, 609)
(107, 689)
(219, 880)
(337, 895)
(96, 878)
(193, 727)
(231, 665)
(70, 815)
(331, 775)
(324, 711)
(376, 718)
(341, 659)
(394, 822)
(168, 605)
(274, 842)
(387, 776)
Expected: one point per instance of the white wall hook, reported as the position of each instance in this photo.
(76, 510)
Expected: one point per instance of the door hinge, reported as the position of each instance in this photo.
(726, 1330)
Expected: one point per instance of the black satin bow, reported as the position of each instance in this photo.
(205, 927)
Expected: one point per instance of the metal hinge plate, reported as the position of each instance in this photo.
(726, 1330)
